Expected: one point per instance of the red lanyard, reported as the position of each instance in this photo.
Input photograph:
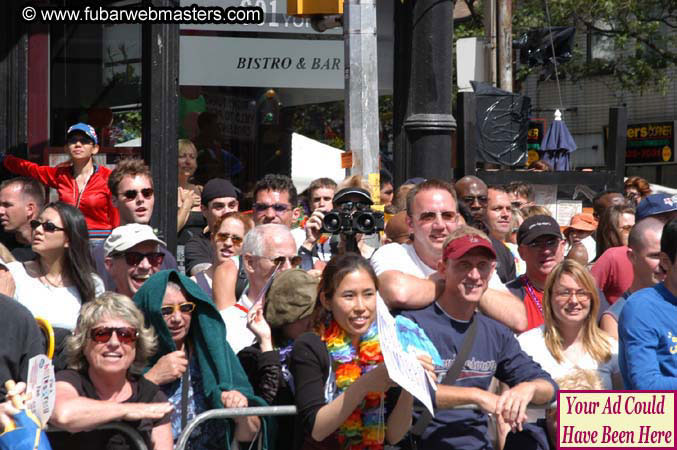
(531, 292)
(238, 306)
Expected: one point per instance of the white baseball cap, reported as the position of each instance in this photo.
(127, 236)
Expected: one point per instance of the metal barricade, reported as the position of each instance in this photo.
(133, 435)
(285, 410)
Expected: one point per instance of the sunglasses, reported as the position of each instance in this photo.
(134, 258)
(223, 237)
(184, 308)
(430, 216)
(48, 226)
(279, 208)
(84, 140)
(294, 261)
(126, 335)
(132, 193)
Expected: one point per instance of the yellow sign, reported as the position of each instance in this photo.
(616, 419)
(347, 160)
(306, 7)
(667, 153)
(532, 156)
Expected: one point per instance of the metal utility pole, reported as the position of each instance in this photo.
(504, 62)
(423, 122)
(361, 85)
(490, 23)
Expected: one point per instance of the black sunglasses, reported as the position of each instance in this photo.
(126, 335)
(132, 193)
(134, 258)
(277, 207)
(84, 140)
(48, 226)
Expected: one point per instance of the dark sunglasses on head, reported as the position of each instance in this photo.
(126, 335)
(84, 140)
(132, 193)
(134, 258)
(223, 237)
(184, 308)
(277, 207)
(48, 226)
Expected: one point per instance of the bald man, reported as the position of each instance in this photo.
(644, 248)
(473, 192)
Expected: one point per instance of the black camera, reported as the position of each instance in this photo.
(352, 214)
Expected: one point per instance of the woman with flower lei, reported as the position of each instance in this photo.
(343, 392)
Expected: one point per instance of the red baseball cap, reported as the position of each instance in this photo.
(458, 247)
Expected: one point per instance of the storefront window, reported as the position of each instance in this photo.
(96, 78)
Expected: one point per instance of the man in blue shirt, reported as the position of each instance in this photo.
(468, 260)
(647, 327)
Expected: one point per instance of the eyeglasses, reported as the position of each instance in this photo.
(184, 308)
(430, 216)
(517, 205)
(134, 258)
(550, 244)
(132, 193)
(223, 237)
(470, 199)
(581, 295)
(626, 228)
(126, 335)
(294, 261)
(84, 140)
(48, 226)
(279, 208)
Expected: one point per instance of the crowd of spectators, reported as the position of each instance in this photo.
(503, 302)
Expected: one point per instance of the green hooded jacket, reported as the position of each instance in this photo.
(220, 367)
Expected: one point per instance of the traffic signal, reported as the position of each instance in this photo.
(308, 7)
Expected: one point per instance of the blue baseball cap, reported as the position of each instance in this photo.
(85, 128)
(655, 204)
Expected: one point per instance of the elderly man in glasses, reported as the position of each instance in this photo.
(131, 184)
(408, 276)
(133, 254)
(541, 246)
(267, 249)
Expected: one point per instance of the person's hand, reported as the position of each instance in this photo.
(197, 198)
(233, 399)
(427, 363)
(314, 227)
(513, 403)
(168, 368)
(378, 378)
(486, 401)
(139, 411)
(7, 285)
(7, 408)
(258, 325)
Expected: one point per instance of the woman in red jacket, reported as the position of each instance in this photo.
(80, 183)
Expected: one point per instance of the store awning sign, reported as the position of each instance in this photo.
(650, 143)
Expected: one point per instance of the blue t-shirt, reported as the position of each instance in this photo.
(495, 352)
(647, 332)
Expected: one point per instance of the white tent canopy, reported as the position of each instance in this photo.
(311, 159)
